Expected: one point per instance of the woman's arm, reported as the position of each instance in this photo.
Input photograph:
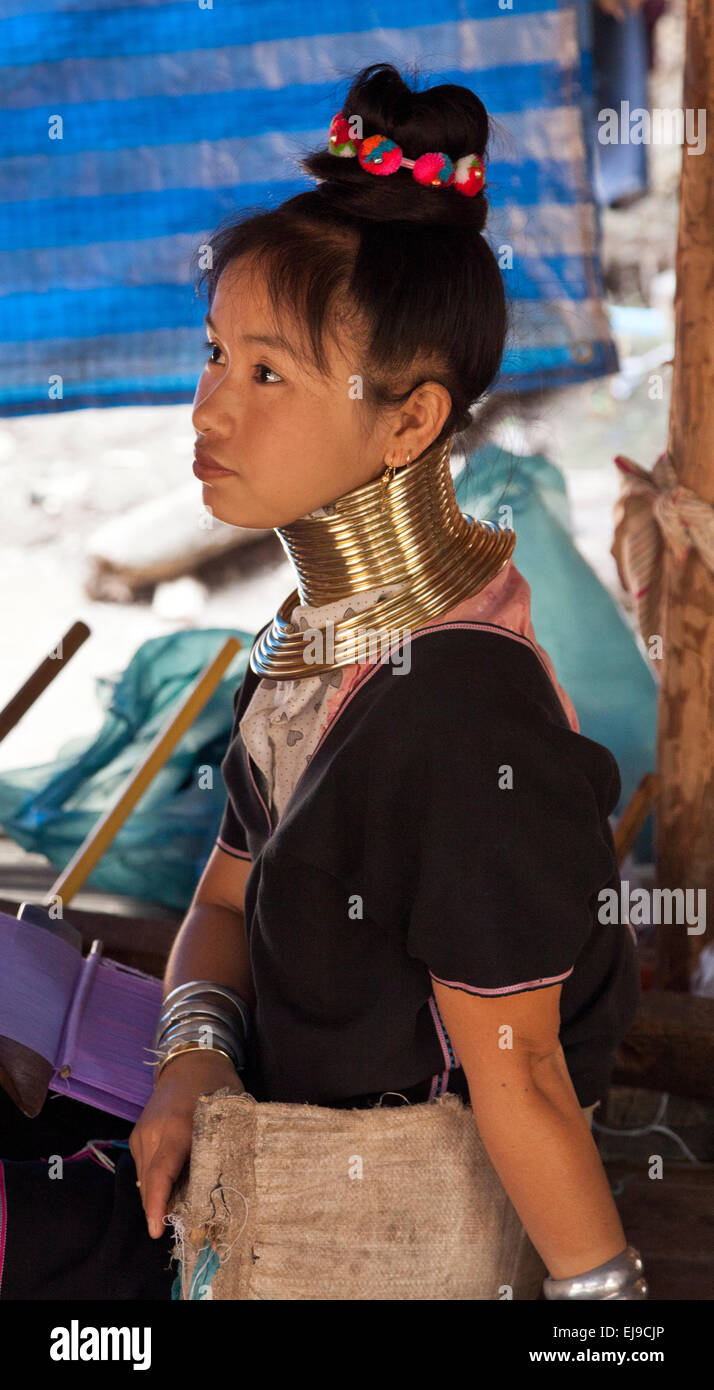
(532, 1124)
(212, 943)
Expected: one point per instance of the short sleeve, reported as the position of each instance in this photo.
(231, 837)
(514, 842)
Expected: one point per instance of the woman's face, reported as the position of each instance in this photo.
(289, 438)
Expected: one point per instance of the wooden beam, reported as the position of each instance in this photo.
(635, 814)
(42, 675)
(685, 756)
(670, 1046)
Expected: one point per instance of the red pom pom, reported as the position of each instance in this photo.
(340, 141)
(379, 155)
(469, 175)
(433, 169)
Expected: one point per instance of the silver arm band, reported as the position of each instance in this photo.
(212, 1001)
(188, 1008)
(197, 995)
(619, 1278)
(201, 988)
(197, 1006)
(204, 1035)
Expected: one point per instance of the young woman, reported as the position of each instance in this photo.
(404, 890)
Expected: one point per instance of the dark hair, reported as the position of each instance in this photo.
(406, 264)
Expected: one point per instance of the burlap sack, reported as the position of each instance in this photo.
(307, 1202)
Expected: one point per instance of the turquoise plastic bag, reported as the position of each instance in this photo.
(594, 652)
(160, 851)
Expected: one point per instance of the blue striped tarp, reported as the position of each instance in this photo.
(130, 130)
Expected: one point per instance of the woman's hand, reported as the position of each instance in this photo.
(160, 1141)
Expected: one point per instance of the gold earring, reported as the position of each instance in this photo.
(389, 472)
(387, 475)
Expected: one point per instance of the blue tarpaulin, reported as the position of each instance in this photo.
(130, 130)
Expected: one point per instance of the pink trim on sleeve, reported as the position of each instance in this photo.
(505, 989)
(440, 1082)
(229, 849)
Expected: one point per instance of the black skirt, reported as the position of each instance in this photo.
(82, 1235)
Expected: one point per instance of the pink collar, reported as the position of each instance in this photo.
(505, 603)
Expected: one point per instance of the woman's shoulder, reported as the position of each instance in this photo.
(454, 668)
(461, 695)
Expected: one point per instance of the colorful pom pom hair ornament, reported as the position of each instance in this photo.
(379, 155)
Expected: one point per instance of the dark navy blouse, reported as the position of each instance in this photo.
(449, 826)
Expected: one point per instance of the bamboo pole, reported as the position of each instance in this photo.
(42, 676)
(643, 800)
(179, 720)
(685, 754)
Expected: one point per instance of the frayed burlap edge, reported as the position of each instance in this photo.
(201, 1210)
(238, 1141)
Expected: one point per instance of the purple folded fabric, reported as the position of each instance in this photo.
(90, 1014)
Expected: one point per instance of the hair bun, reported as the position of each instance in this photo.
(446, 120)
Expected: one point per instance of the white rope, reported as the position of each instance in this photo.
(654, 1127)
(653, 513)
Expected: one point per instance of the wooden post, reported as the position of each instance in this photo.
(685, 818)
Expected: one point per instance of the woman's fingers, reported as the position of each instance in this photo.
(159, 1176)
(160, 1141)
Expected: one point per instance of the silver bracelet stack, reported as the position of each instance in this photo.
(201, 1014)
(619, 1278)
